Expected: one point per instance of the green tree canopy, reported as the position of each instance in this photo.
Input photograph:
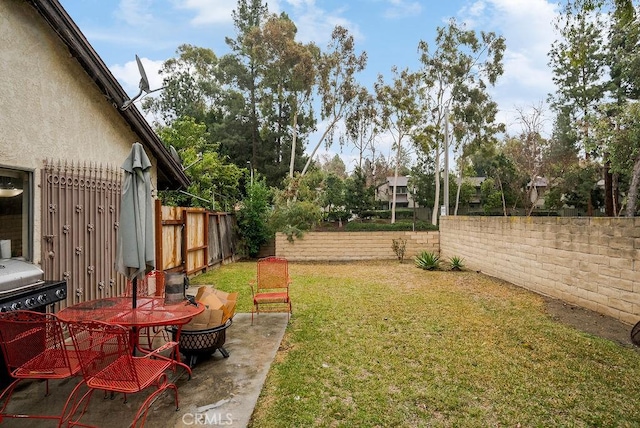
(212, 177)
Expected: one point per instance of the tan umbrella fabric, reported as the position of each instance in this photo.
(136, 246)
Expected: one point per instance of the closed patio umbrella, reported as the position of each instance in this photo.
(136, 248)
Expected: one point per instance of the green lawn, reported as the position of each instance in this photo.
(383, 344)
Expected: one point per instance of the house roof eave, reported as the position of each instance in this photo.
(170, 172)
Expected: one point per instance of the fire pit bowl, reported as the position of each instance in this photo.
(195, 343)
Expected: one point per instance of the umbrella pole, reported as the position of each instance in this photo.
(134, 290)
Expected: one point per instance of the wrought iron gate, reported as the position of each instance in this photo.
(80, 209)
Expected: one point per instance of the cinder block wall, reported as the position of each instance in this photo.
(346, 246)
(590, 262)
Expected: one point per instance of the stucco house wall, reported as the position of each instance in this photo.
(51, 108)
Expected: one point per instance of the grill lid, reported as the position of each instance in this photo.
(15, 274)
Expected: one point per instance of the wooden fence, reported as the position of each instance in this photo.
(192, 240)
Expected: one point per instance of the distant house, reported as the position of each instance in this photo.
(475, 202)
(538, 192)
(63, 137)
(404, 198)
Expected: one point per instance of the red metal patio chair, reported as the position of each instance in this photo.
(271, 286)
(108, 364)
(34, 348)
(152, 285)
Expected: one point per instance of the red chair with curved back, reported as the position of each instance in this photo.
(271, 286)
(152, 285)
(108, 364)
(34, 348)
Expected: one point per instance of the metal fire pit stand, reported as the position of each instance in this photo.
(195, 343)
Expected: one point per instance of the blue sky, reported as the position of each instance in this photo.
(388, 30)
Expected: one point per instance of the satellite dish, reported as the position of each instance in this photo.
(175, 155)
(144, 82)
(143, 85)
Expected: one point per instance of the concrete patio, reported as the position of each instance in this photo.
(222, 391)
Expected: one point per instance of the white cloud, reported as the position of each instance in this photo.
(135, 12)
(301, 3)
(316, 24)
(402, 8)
(146, 25)
(209, 11)
(527, 26)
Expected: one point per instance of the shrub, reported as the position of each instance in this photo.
(338, 215)
(401, 213)
(355, 226)
(456, 263)
(368, 214)
(399, 247)
(295, 218)
(252, 219)
(406, 213)
(427, 260)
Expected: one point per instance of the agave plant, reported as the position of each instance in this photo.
(456, 263)
(427, 260)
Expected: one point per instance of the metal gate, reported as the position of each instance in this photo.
(80, 210)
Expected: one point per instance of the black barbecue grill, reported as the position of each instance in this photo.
(22, 287)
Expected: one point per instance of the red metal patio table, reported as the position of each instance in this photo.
(150, 312)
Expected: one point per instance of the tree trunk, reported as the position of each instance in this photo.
(254, 119)
(436, 200)
(455, 211)
(293, 143)
(533, 204)
(395, 180)
(530, 199)
(632, 199)
(504, 202)
(616, 194)
(608, 190)
(315, 149)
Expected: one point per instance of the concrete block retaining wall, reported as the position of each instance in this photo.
(590, 262)
(345, 246)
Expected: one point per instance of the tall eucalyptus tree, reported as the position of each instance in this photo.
(401, 115)
(337, 87)
(285, 94)
(244, 72)
(360, 121)
(455, 74)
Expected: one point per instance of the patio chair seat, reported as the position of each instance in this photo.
(34, 347)
(108, 364)
(146, 369)
(281, 297)
(50, 364)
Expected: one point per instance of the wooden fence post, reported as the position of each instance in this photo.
(158, 233)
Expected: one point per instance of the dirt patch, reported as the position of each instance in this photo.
(590, 322)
